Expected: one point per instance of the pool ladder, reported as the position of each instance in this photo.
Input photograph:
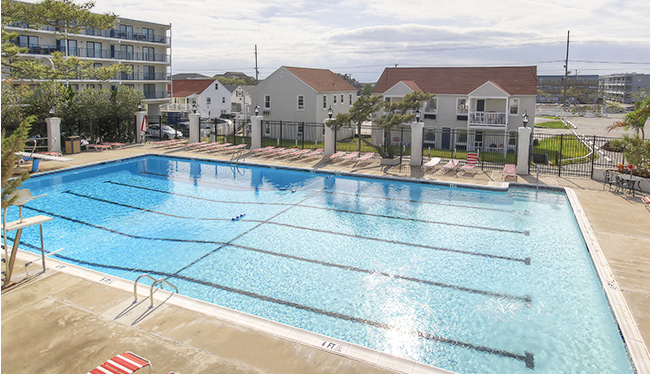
(151, 289)
(235, 157)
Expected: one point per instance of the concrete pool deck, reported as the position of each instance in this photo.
(59, 322)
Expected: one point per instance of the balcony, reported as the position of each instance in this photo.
(145, 77)
(113, 33)
(494, 120)
(96, 53)
(151, 95)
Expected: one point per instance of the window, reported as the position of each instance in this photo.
(350, 99)
(513, 106)
(208, 100)
(462, 106)
(72, 47)
(149, 72)
(126, 52)
(74, 87)
(93, 49)
(513, 136)
(299, 129)
(28, 41)
(432, 105)
(149, 90)
(216, 86)
(300, 102)
(267, 129)
(267, 101)
(334, 99)
(325, 102)
(148, 34)
(97, 65)
(90, 86)
(341, 99)
(223, 100)
(126, 32)
(148, 54)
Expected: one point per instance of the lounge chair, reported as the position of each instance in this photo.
(334, 156)
(365, 158)
(164, 143)
(471, 164)
(647, 203)
(349, 157)
(263, 149)
(232, 148)
(509, 171)
(453, 164)
(432, 164)
(98, 147)
(314, 153)
(124, 363)
(287, 152)
(299, 153)
(215, 147)
(272, 151)
(113, 145)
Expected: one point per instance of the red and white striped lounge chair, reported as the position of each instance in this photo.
(453, 164)
(365, 158)
(471, 163)
(124, 363)
(98, 147)
(314, 153)
(113, 145)
(232, 148)
(349, 157)
(215, 147)
(287, 152)
(432, 164)
(263, 149)
(299, 153)
(509, 171)
(335, 156)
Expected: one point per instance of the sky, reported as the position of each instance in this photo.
(362, 37)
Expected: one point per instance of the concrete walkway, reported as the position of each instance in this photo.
(60, 322)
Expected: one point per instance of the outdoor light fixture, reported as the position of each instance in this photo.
(417, 115)
(194, 108)
(525, 119)
(140, 107)
(256, 110)
(51, 111)
(330, 111)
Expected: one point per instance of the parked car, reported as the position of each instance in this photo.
(166, 133)
(184, 128)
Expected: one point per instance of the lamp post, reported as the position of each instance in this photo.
(330, 112)
(140, 107)
(194, 108)
(525, 119)
(256, 110)
(418, 113)
(51, 111)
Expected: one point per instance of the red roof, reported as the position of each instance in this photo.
(516, 80)
(322, 80)
(189, 87)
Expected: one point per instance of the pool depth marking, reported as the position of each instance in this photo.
(524, 232)
(527, 358)
(168, 177)
(221, 245)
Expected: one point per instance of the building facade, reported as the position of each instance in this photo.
(208, 97)
(470, 103)
(624, 88)
(144, 46)
(581, 89)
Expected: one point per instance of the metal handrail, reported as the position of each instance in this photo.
(151, 289)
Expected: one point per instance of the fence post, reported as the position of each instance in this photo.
(560, 156)
(417, 130)
(524, 141)
(594, 150)
(330, 140)
(256, 132)
(195, 131)
(141, 126)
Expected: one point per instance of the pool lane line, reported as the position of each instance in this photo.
(524, 232)
(526, 212)
(526, 299)
(526, 260)
(527, 358)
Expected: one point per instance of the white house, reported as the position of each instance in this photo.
(241, 99)
(210, 98)
(302, 95)
(471, 104)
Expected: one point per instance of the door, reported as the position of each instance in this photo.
(445, 138)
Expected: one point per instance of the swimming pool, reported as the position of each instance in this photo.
(464, 279)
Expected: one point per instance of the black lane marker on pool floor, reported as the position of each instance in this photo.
(526, 212)
(526, 260)
(527, 358)
(221, 245)
(525, 232)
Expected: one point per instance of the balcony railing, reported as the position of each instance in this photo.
(113, 33)
(149, 95)
(490, 119)
(96, 53)
(145, 77)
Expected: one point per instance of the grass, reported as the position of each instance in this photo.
(572, 148)
(552, 125)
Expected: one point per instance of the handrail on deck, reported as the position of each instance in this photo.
(151, 289)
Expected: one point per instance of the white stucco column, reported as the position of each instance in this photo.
(329, 139)
(53, 126)
(141, 125)
(524, 137)
(195, 131)
(256, 132)
(417, 143)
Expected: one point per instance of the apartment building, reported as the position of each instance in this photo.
(144, 46)
(625, 88)
(581, 89)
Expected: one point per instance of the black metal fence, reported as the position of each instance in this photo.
(572, 155)
(108, 129)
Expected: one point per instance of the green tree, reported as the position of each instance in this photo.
(395, 114)
(10, 145)
(367, 90)
(635, 119)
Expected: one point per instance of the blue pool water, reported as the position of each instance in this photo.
(469, 280)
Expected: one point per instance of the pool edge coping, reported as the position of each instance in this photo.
(628, 329)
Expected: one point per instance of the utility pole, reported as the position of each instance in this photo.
(256, 64)
(567, 55)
